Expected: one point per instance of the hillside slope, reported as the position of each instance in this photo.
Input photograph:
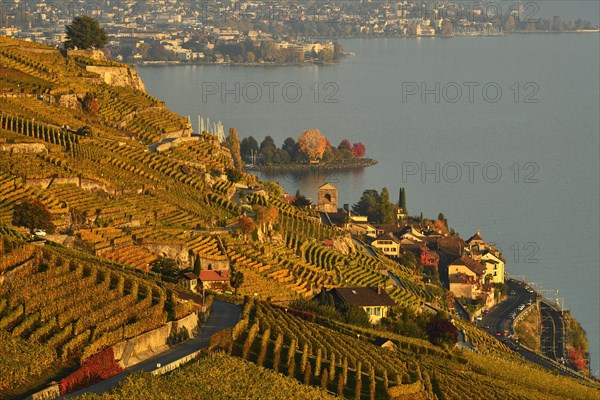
(83, 145)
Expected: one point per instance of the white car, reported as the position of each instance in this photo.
(39, 232)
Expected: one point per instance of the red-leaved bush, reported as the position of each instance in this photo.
(97, 368)
(577, 359)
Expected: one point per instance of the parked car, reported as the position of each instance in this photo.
(498, 334)
(479, 317)
(486, 326)
(39, 232)
(512, 292)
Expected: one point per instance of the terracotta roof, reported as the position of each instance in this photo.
(451, 244)
(214, 276)
(365, 296)
(473, 265)
(461, 278)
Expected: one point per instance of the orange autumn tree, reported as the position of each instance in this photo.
(313, 144)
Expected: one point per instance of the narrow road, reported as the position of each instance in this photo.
(223, 315)
(553, 332)
(498, 321)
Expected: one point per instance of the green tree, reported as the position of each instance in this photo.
(385, 214)
(165, 266)
(197, 265)
(326, 55)
(84, 131)
(248, 147)
(267, 149)
(33, 214)
(356, 316)
(368, 204)
(233, 144)
(237, 279)
(291, 147)
(84, 32)
(402, 200)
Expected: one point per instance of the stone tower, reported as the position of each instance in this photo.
(327, 198)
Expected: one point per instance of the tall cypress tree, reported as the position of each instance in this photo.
(402, 200)
(197, 265)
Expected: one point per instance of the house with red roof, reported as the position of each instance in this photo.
(214, 280)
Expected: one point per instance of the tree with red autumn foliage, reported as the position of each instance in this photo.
(345, 145)
(359, 150)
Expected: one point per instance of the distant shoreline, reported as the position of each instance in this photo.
(336, 166)
(320, 63)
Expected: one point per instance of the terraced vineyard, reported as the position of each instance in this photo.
(285, 341)
(14, 191)
(274, 338)
(74, 307)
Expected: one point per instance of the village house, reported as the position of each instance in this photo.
(494, 266)
(388, 244)
(373, 299)
(188, 280)
(466, 278)
(359, 225)
(214, 280)
(411, 239)
(466, 266)
(488, 255)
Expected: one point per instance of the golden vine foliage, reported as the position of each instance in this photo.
(217, 376)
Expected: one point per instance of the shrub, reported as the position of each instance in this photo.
(222, 340)
(33, 214)
(98, 367)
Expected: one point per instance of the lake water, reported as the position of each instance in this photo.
(499, 133)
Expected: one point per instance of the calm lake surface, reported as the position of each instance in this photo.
(505, 139)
